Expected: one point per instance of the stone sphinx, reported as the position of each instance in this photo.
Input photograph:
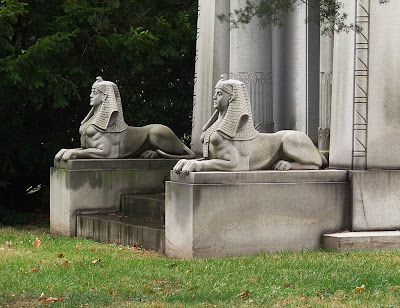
(104, 133)
(231, 143)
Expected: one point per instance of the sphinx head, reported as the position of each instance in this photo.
(231, 99)
(106, 99)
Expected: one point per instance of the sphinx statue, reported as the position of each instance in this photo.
(231, 142)
(104, 133)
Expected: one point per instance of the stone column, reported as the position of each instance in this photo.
(365, 108)
(325, 92)
(212, 60)
(251, 62)
(295, 70)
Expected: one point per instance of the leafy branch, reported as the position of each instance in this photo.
(328, 14)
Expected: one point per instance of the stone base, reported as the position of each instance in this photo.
(95, 185)
(216, 214)
(345, 241)
(375, 200)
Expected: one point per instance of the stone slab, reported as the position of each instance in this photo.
(123, 230)
(264, 176)
(89, 186)
(375, 200)
(346, 241)
(95, 164)
(239, 218)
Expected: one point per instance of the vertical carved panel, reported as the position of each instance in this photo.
(361, 86)
(259, 85)
(325, 98)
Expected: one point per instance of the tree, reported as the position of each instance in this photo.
(50, 54)
(327, 13)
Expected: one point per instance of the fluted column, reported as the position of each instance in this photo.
(251, 62)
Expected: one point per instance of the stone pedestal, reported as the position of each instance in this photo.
(95, 185)
(210, 214)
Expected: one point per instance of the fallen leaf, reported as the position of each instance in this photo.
(9, 243)
(243, 294)
(252, 279)
(21, 269)
(37, 242)
(114, 293)
(60, 255)
(358, 289)
(51, 299)
(65, 264)
(36, 269)
(394, 288)
(96, 261)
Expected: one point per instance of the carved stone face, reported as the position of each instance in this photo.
(221, 100)
(96, 97)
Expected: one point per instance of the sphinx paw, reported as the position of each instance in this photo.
(282, 165)
(149, 154)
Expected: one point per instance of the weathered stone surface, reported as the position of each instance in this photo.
(239, 218)
(97, 187)
(117, 228)
(375, 200)
(346, 241)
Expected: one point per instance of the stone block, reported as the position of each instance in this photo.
(216, 214)
(95, 185)
(375, 200)
(346, 241)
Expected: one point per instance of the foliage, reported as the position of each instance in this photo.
(74, 272)
(50, 54)
(327, 13)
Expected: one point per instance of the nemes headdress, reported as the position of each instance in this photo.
(238, 121)
(110, 117)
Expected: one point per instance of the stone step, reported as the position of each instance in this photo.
(369, 240)
(122, 229)
(149, 206)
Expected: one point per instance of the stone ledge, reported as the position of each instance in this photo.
(265, 176)
(345, 241)
(95, 164)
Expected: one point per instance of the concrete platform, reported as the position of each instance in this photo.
(345, 241)
(122, 229)
(84, 186)
(212, 214)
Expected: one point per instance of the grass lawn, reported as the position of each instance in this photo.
(38, 267)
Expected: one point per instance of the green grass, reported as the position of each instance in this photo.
(130, 277)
